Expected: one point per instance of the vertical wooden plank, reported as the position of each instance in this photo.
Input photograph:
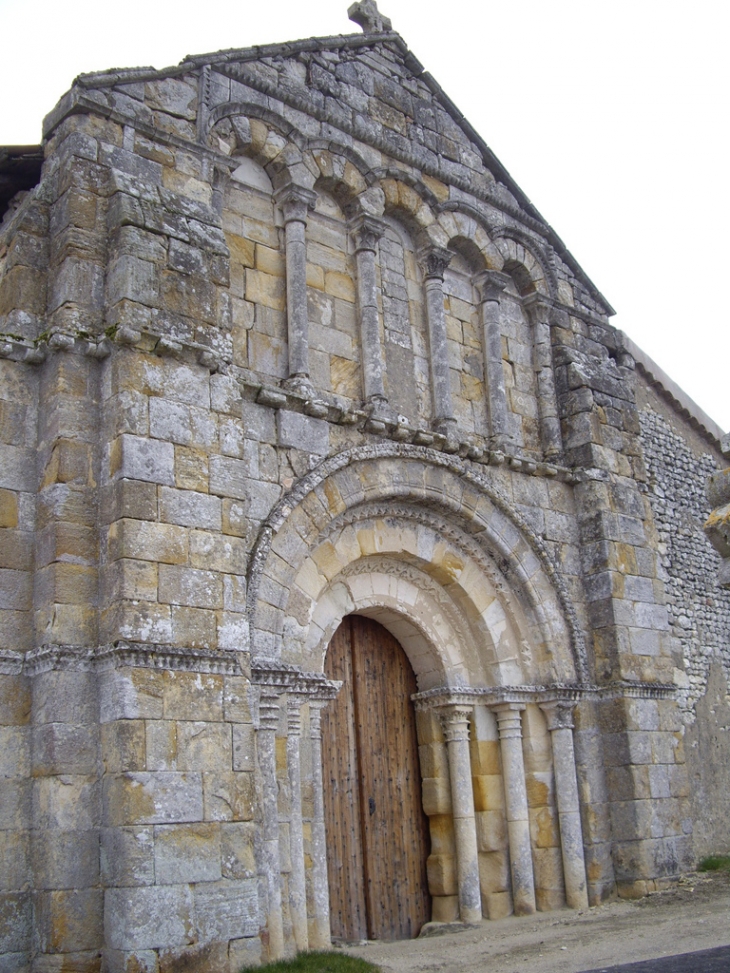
(348, 918)
(395, 829)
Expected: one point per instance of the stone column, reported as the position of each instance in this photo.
(434, 262)
(559, 717)
(297, 882)
(320, 935)
(547, 402)
(367, 231)
(455, 722)
(266, 750)
(490, 286)
(294, 202)
(509, 722)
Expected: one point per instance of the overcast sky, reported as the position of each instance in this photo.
(612, 117)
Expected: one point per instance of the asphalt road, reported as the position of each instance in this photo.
(702, 961)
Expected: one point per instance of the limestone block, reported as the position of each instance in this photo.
(150, 917)
(132, 278)
(17, 470)
(15, 700)
(193, 696)
(189, 586)
(228, 796)
(303, 432)
(137, 458)
(488, 792)
(233, 632)
(247, 952)
(15, 922)
(441, 870)
(129, 579)
(152, 798)
(540, 787)
(66, 803)
(445, 908)
(204, 746)
(64, 697)
(237, 850)
(131, 961)
(127, 856)
(62, 748)
(187, 853)
(15, 807)
(8, 508)
(436, 795)
(214, 552)
(229, 477)
(66, 859)
(243, 747)
(145, 541)
(194, 627)
(127, 694)
(139, 622)
(227, 910)
(433, 760)
(191, 469)
(494, 873)
(15, 870)
(131, 499)
(497, 905)
(123, 745)
(237, 704)
(69, 920)
(491, 828)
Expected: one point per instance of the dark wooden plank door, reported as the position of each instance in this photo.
(377, 833)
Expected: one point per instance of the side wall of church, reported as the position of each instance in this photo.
(679, 461)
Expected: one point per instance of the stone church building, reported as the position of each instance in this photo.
(352, 565)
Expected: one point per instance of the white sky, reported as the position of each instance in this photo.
(612, 117)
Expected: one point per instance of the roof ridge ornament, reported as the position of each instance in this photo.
(365, 13)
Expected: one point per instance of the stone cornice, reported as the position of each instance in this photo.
(282, 678)
(139, 655)
(500, 695)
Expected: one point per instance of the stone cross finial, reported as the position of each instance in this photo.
(365, 13)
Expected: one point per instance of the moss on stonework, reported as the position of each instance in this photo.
(319, 962)
(714, 863)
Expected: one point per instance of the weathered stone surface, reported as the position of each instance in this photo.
(354, 375)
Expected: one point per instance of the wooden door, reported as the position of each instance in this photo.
(377, 833)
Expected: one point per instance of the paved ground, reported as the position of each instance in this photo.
(693, 917)
(704, 961)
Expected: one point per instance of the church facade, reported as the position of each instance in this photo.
(353, 573)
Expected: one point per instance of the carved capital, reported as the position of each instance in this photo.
(434, 261)
(559, 714)
(455, 722)
(491, 284)
(509, 720)
(268, 710)
(538, 308)
(295, 202)
(366, 231)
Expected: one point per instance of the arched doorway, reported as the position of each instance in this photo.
(377, 833)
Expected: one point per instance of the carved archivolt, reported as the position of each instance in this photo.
(463, 505)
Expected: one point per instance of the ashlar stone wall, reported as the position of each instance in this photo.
(281, 341)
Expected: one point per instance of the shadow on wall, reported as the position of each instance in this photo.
(708, 764)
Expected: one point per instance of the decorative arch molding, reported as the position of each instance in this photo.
(413, 182)
(436, 482)
(509, 239)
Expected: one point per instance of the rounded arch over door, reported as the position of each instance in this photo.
(377, 832)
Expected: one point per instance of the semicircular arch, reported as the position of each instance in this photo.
(296, 561)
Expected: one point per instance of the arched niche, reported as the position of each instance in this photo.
(334, 336)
